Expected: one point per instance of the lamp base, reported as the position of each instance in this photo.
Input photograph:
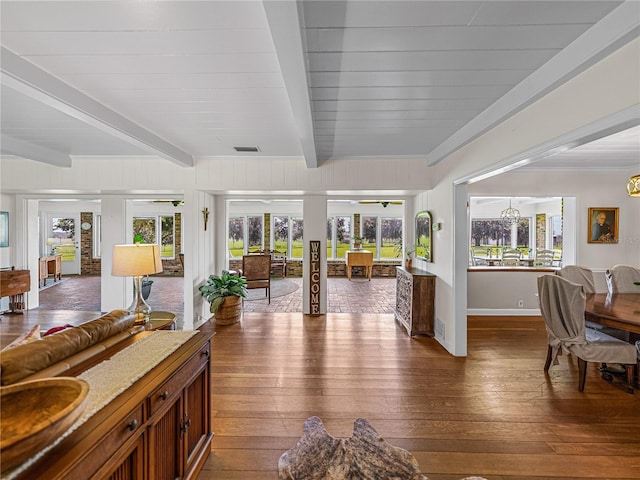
(139, 307)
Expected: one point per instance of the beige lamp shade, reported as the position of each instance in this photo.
(136, 260)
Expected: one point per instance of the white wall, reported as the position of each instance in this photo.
(600, 92)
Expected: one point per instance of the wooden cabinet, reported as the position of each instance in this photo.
(51, 265)
(415, 300)
(179, 424)
(158, 428)
(14, 284)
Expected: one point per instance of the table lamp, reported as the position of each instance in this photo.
(135, 261)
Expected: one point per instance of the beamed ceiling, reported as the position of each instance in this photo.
(313, 80)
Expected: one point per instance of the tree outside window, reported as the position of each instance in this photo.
(339, 236)
(489, 236)
(236, 236)
(297, 228)
(245, 235)
(149, 229)
(254, 233)
(369, 233)
(390, 236)
(281, 234)
(144, 230)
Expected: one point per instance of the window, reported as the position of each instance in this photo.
(245, 231)
(296, 237)
(150, 229)
(556, 232)
(381, 235)
(390, 237)
(338, 236)
(489, 236)
(287, 235)
(281, 234)
(254, 233)
(236, 237)
(369, 233)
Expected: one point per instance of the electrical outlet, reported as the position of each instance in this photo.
(520, 303)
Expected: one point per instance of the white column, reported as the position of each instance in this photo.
(314, 212)
(113, 221)
(514, 235)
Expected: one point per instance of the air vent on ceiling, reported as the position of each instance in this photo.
(246, 149)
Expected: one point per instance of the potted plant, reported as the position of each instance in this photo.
(408, 261)
(357, 242)
(224, 294)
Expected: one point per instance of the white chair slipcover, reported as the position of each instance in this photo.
(621, 278)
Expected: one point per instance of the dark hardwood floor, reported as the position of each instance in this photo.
(494, 413)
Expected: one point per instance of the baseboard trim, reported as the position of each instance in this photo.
(510, 312)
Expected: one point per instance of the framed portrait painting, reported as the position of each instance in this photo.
(603, 225)
(4, 229)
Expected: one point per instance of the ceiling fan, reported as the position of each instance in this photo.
(384, 203)
(175, 203)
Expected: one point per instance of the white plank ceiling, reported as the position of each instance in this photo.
(314, 79)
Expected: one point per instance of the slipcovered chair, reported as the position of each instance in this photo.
(580, 275)
(544, 258)
(562, 304)
(256, 269)
(584, 276)
(621, 278)
(511, 257)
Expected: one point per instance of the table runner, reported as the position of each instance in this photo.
(110, 378)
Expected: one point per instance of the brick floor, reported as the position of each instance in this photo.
(344, 296)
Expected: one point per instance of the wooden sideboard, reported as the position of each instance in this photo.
(51, 265)
(14, 284)
(360, 258)
(159, 428)
(415, 300)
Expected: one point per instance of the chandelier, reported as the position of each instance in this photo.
(510, 216)
(633, 187)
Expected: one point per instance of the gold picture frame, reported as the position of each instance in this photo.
(603, 225)
(424, 240)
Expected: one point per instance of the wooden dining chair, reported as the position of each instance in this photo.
(511, 257)
(562, 304)
(256, 269)
(544, 258)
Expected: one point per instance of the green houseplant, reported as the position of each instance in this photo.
(224, 294)
(408, 261)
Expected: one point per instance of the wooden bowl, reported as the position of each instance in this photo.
(35, 413)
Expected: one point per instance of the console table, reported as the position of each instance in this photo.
(51, 265)
(360, 258)
(157, 428)
(415, 300)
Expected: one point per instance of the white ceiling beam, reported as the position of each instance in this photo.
(34, 82)
(611, 33)
(286, 31)
(20, 148)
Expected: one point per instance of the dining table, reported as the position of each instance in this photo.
(617, 310)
